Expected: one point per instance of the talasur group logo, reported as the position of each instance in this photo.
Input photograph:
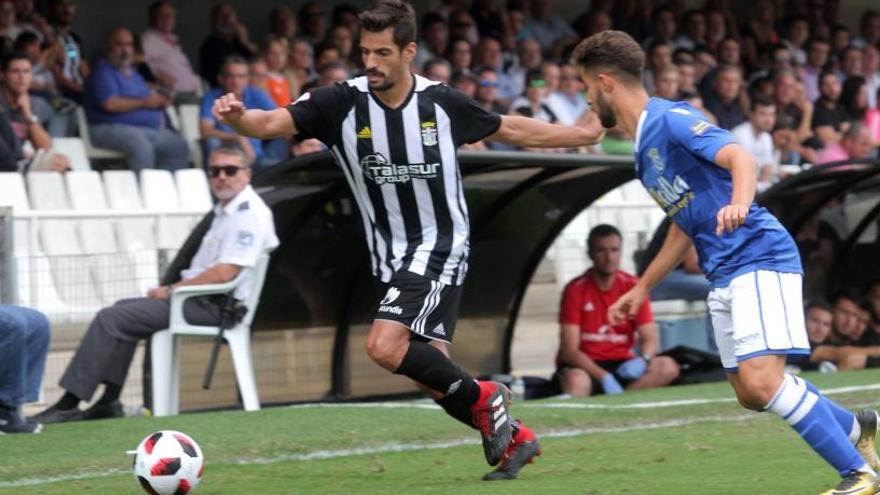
(378, 169)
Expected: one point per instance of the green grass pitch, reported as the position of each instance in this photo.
(691, 439)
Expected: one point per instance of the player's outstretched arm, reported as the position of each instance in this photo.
(675, 248)
(744, 177)
(259, 124)
(531, 133)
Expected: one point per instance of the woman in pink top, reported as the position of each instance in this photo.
(274, 52)
(872, 119)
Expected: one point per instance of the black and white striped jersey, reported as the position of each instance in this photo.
(402, 167)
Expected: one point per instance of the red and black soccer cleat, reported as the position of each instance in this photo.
(521, 451)
(491, 417)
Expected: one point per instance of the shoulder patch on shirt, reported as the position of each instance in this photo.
(700, 127)
(244, 206)
(681, 111)
(245, 238)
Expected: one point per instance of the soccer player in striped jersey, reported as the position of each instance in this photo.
(395, 135)
(705, 182)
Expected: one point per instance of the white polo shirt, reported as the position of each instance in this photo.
(239, 233)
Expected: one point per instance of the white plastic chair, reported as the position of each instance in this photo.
(92, 151)
(135, 237)
(160, 193)
(189, 128)
(193, 191)
(75, 150)
(165, 347)
(70, 275)
(134, 234)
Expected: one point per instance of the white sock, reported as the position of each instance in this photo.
(855, 432)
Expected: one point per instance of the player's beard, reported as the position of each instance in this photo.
(606, 113)
(386, 84)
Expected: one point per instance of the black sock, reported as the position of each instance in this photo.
(430, 367)
(67, 401)
(457, 409)
(111, 393)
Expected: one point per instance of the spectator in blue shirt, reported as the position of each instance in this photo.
(126, 115)
(233, 78)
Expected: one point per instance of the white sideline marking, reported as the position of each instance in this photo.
(683, 402)
(566, 405)
(407, 447)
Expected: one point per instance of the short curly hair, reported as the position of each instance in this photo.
(610, 51)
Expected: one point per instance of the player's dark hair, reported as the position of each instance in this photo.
(611, 51)
(601, 231)
(391, 14)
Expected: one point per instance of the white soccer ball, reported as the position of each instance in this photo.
(168, 462)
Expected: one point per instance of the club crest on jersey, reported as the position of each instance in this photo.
(377, 168)
(429, 133)
(659, 164)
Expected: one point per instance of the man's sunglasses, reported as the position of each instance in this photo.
(229, 170)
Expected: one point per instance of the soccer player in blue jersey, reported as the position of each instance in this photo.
(705, 182)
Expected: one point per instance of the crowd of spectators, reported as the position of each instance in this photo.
(796, 84)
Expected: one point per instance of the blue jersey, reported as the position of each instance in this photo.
(675, 148)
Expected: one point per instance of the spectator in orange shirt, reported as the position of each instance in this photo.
(274, 51)
(594, 356)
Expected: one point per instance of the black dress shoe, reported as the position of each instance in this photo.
(55, 415)
(104, 411)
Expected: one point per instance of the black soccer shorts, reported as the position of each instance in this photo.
(427, 307)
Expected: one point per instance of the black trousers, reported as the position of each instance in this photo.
(106, 351)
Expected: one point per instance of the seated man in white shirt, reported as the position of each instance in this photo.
(754, 135)
(241, 230)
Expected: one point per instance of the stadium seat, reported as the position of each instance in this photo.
(165, 346)
(75, 150)
(113, 271)
(193, 190)
(93, 152)
(189, 129)
(70, 275)
(135, 234)
(160, 193)
(173, 117)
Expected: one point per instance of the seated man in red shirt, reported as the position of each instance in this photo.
(594, 356)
